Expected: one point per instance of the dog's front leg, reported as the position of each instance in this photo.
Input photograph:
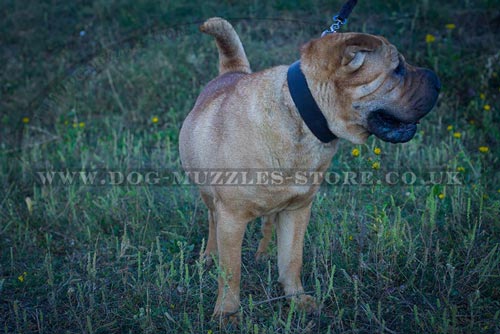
(290, 229)
(230, 231)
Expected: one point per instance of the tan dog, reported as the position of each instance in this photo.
(248, 121)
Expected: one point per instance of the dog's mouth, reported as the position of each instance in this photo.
(389, 128)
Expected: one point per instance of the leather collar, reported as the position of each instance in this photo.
(306, 105)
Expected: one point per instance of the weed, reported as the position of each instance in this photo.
(106, 86)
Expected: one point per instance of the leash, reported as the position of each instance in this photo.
(301, 95)
(341, 18)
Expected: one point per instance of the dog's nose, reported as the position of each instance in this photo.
(433, 79)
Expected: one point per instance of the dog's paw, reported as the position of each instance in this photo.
(226, 318)
(307, 304)
(226, 310)
(207, 259)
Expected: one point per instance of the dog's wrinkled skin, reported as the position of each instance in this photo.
(245, 120)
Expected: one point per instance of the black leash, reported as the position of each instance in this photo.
(301, 95)
(341, 18)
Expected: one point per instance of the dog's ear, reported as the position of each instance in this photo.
(344, 51)
(356, 49)
(354, 57)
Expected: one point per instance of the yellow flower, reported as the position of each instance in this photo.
(460, 169)
(487, 107)
(482, 96)
(485, 196)
(376, 165)
(430, 38)
(450, 26)
(457, 135)
(484, 149)
(21, 277)
(441, 196)
(155, 119)
(350, 238)
(377, 150)
(450, 127)
(81, 125)
(75, 125)
(355, 152)
(26, 120)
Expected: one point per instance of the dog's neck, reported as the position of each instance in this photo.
(306, 105)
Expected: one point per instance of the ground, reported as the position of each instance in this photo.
(104, 86)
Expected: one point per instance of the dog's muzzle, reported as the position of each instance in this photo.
(394, 128)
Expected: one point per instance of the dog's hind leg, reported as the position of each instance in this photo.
(267, 234)
(290, 230)
(230, 231)
(211, 245)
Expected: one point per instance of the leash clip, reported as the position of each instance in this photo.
(337, 23)
(341, 18)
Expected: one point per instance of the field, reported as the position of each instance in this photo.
(104, 86)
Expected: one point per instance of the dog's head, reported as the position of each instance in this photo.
(364, 86)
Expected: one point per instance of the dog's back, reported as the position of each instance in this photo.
(222, 84)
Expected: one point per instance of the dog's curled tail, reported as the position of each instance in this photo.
(232, 57)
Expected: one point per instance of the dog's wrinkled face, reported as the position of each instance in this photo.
(364, 86)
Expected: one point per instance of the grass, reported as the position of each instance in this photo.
(82, 84)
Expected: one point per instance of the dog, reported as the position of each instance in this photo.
(345, 86)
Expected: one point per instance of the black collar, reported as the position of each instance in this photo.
(307, 107)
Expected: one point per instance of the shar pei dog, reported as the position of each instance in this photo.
(288, 118)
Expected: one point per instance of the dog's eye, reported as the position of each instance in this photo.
(400, 70)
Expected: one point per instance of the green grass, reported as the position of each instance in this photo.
(124, 259)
